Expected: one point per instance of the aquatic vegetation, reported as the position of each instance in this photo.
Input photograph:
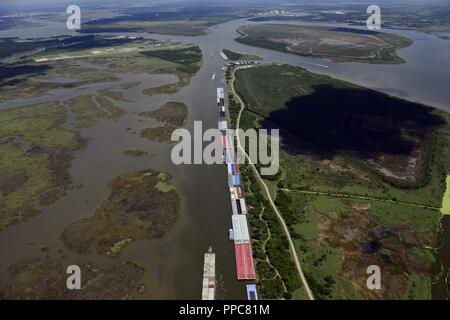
(187, 62)
(135, 153)
(141, 205)
(45, 279)
(159, 133)
(174, 113)
(35, 154)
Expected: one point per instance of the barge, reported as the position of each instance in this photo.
(209, 276)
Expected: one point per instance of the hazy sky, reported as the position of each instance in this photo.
(56, 3)
(44, 3)
(49, 4)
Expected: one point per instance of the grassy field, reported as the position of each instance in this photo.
(338, 240)
(336, 44)
(188, 58)
(446, 198)
(344, 211)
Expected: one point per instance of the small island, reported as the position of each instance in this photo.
(235, 56)
(141, 205)
(135, 153)
(335, 43)
(173, 114)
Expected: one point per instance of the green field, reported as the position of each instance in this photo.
(189, 58)
(341, 208)
(186, 61)
(446, 198)
(336, 44)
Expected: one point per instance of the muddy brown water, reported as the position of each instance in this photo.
(174, 263)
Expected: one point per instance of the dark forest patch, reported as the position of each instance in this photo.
(351, 120)
(7, 72)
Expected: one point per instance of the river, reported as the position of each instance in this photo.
(174, 263)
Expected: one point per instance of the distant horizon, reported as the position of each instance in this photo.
(31, 5)
(34, 5)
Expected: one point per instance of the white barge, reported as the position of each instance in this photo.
(209, 276)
